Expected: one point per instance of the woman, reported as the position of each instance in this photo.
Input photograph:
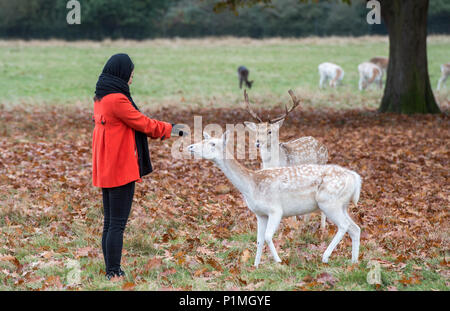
(120, 154)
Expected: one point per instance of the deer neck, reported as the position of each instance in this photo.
(273, 155)
(238, 175)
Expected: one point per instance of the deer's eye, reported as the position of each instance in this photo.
(269, 132)
(213, 144)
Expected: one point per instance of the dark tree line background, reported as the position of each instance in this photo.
(141, 19)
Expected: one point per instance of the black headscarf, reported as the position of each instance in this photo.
(114, 79)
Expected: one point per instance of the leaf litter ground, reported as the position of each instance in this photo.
(189, 227)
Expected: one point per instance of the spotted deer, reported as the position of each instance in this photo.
(369, 73)
(445, 72)
(274, 193)
(304, 150)
(243, 73)
(332, 72)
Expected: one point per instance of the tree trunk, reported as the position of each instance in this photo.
(408, 88)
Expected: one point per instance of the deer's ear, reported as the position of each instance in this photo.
(250, 125)
(206, 136)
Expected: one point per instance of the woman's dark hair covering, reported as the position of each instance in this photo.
(114, 79)
(115, 76)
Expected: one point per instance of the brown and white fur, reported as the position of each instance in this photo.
(381, 62)
(274, 193)
(445, 72)
(304, 150)
(369, 73)
(332, 72)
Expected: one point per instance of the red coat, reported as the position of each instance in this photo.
(114, 153)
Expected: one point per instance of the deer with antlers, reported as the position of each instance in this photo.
(274, 193)
(304, 150)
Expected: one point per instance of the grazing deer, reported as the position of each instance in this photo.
(445, 72)
(288, 191)
(369, 73)
(304, 150)
(332, 72)
(243, 73)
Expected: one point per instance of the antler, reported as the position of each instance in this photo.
(247, 106)
(284, 116)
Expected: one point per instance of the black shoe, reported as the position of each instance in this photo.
(113, 274)
(110, 275)
(121, 272)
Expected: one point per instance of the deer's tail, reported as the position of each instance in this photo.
(357, 188)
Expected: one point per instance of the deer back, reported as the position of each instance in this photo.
(303, 185)
(382, 62)
(305, 150)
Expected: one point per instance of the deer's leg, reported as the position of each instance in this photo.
(333, 82)
(354, 231)
(240, 83)
(322, 81)
(306, 218)
(272, 226)
(323, 221)
(262, 224)
(337, 216)
(361, 83)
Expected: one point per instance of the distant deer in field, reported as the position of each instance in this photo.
(445, 72)
(243, 73)
(304, 150)
(332, 72)
(370, 73)
(274, 193)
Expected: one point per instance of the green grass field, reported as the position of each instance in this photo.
(199, 72)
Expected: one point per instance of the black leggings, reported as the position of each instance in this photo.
(116, 208)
